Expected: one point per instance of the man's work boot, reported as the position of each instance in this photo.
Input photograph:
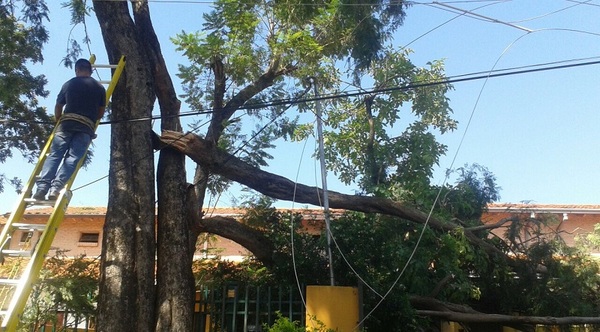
(39, 195)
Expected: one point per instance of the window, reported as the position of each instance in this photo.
(25, 236)
(89, 238)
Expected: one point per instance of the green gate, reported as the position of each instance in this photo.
(245, 308)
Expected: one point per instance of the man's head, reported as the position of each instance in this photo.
(83, 67)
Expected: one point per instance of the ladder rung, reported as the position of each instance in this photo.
(32, 201)
(11, 282)
(104, 82)
(21, 226)
(16, 253)
(104, 66)
(3, 312)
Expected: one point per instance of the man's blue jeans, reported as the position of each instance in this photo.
(68, 147)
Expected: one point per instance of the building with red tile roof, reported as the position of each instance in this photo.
(82, 228)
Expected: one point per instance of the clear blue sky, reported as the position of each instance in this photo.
(536, 132)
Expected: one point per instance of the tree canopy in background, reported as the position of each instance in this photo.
(25, 125)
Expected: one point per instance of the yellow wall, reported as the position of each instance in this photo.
(334, 306)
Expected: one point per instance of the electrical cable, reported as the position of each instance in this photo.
(555, 65)
(552, 13)
(411, 256)
(584, 3)
(471, 14)
(136, 161)
(292, 225)
(330, 233)
(205, 2)
(198, 127)
(417, 244)
(442, 24)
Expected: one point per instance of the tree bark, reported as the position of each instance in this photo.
(174, 278)
(175, 244)
(126, 296)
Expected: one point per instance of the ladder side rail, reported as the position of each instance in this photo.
(115, 78)
(19, 208)
(32, 271)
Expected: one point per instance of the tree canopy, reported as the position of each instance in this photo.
(22, 36)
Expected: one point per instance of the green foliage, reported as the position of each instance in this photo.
(590, 241)
(14, 182)
(549, 278)
(269, 51)
(22, 35)
(466, 200)
(378, 249)
(213, 272)
(252, 53)
(300, 255)
(65, 284)
(79, 11)
(283, 324)
(361, 147)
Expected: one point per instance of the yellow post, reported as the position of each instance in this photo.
(447, 326)
(335, 307)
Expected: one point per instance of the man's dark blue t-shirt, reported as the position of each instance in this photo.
(83, 96)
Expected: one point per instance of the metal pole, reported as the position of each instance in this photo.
(323, 178)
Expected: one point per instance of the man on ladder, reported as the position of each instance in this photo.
(85, 101)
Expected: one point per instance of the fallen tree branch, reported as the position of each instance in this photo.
(497, 224)
(219, 162)
(507, 319)
(430, 307)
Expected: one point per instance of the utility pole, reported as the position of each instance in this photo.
(323, 178)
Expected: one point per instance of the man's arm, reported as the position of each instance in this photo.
(58, 109)
(101, 110)
(101, 103)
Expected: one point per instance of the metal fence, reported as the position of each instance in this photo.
(230, 308)
(245, 308)
(70, 322)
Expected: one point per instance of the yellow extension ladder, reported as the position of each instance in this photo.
(15, 290)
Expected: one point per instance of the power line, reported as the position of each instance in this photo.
(237, 150)
(359, 4)
(548, 66)
(485, 18)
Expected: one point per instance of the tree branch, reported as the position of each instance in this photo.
(248, 237)
(205, 154)
(220, 115)
(427, 306)
(508, 319)
(494, 225)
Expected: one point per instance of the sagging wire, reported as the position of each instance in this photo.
(417, 244)
(527, 33)
(452, 79)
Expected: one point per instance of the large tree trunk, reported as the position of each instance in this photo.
(127, 283)
(175, 281)
(175, 243)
